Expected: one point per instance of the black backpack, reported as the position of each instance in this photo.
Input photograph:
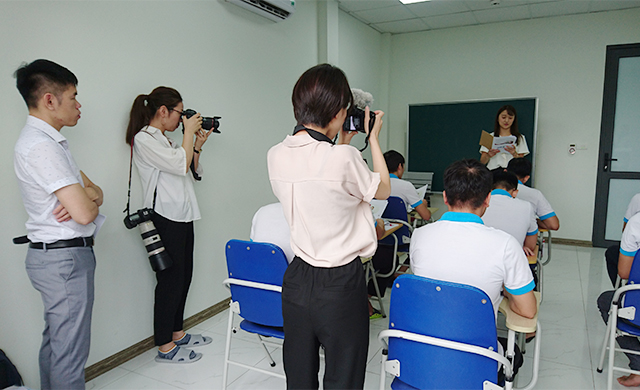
(9, 375)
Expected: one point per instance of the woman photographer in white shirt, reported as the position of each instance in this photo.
(164, 167)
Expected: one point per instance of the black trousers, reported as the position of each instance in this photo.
(611, 256)
(328, 307)
(173, 283)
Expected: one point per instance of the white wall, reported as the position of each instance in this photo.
(559, 60)
(224, 61)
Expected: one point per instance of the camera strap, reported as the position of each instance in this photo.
(318, 136)
(321, 137)
(155, 191)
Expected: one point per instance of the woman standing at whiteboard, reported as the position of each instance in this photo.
(506, 124)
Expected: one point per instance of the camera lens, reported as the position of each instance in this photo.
(158, 256)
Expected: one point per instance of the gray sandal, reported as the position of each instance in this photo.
(193, 340)
(178, 356)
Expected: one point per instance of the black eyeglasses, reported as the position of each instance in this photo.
(179, 112)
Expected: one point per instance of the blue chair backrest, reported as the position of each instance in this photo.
(451, 311)
(396, 209)
(257, 262)
(632, 298)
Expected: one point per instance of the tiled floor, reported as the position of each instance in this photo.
(572, 332)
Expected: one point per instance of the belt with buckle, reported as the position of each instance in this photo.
(74, 242)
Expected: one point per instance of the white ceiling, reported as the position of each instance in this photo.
(391, 16)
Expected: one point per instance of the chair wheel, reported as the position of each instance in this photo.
(599, 370)
(272, 364)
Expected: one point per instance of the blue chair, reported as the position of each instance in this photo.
(623, 320)
(255, 271)
(441, 335)
(396, 212)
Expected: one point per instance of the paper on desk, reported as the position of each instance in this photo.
(423, 190)
(378, 207)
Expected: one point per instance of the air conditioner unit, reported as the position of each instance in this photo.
(276, 10)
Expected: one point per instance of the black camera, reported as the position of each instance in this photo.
(355, 120)
(158, 256)
(208, 123)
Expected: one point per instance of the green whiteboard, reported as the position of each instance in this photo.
(441, 133)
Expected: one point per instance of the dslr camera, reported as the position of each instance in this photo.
(208, 123)
(355, 120)
(158, 256)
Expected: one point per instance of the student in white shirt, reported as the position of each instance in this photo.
(269, 225)
(629, 246)
(403, 188)
(459, 248)
(547, 218)
(613, 252)
(506, 124)
(167, 183)
(509, 214)
(325, 190)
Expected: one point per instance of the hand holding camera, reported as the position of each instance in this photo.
(192, 124)
(373, 129)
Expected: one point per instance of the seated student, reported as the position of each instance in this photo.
(629, 245)
(514, 216)
(269, 225)
(459, 248)
(611, 255)
(403, 188)
(547, 218)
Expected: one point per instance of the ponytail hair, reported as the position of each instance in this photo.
(145, 107)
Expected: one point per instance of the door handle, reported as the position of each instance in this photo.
(607, 161)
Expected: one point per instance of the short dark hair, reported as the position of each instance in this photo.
(320, 93)
(41, 76)
(504, 179)
(467, 182)
(393, 160)
(520, 166)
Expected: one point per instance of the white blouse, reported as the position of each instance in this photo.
(502, 159)
(162, 164)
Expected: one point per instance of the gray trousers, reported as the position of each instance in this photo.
(64, 277)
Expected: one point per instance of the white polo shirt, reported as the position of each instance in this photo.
(541, 205)
(459, 248)
(514, 216)
(43, 164)
(502, 159)
(406, 191)
(633, 208)
(269, 225)
(162, 162)
(630, 242)
(325, 192)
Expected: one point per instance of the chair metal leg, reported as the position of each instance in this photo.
(604, 345)
(370, 272)
(272, 363)
(227, 349)
(613, 319)
(383, 373)
(536, 359)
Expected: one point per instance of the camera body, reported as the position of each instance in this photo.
(158, 256)
(208, 123)
(355, 120)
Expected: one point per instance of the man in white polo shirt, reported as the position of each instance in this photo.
(459, 248)
(403, 188)
(269, 225)
(629, 246)
(514, 216)
(62, 204)
(547, 218)
(612, 253)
